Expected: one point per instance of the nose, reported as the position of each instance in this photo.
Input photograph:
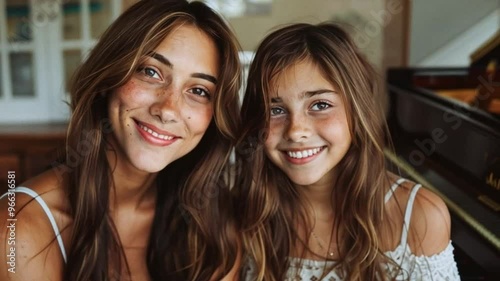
(167, 105)
(298, 128)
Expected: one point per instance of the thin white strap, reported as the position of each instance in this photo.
(409, 209)
(47, 211)
(391, 191)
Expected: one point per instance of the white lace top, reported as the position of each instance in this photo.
(441, 266)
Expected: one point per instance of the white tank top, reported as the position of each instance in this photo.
(47, 211)
(441, 266)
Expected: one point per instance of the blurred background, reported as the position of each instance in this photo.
(438, 59)
(43, 41)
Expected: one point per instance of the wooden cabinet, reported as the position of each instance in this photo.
(29, 150)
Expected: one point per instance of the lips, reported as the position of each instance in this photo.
(302, 156)
(304, 153)
(154, 135)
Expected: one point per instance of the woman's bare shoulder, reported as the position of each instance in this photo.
(30, 238)
(52, 187)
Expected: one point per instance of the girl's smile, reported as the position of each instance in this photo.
(308, 133)
(302, 156)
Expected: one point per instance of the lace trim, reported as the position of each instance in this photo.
(441, 266)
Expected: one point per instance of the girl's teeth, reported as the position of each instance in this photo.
(304, 153)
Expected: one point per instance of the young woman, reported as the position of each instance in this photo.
(141, 195)
(314, 198)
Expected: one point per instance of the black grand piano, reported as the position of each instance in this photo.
(445, 127)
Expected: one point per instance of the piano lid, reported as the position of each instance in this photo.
(445, 127)
(487, 52)
(453, 148)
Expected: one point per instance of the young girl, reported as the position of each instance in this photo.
(315, 200)
(141, 194)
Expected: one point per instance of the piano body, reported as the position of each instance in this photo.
(445, 128)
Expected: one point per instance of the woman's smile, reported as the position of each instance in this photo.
(155, 136)
(163, 111)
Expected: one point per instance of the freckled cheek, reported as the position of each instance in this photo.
(276, 128)
(132, 95)
(269, 143)
(126, 91)
(335, 129)
(273, 135)
(199, 120)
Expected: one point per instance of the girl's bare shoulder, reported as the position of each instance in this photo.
(430, 221)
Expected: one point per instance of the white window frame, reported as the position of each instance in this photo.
(47, 47)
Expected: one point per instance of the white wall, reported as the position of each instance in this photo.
(437, 25)
(361, 15)
(456, 53)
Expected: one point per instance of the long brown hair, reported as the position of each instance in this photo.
(192, 236)
(268, 204)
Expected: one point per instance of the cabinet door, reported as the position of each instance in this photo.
(42, 42)
(20, 60)
(82, 23)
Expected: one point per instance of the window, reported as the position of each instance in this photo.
(42, 42)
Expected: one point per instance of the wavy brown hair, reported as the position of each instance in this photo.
(192, 236)
(269, 206)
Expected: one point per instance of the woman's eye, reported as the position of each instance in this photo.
(277, 111)
(150, 72)
(320, 106)
(200, 92)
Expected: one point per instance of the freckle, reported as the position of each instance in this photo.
(189, 117)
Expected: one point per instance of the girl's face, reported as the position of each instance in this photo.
(309, 132)
(162, 112)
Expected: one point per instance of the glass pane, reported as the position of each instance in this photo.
(21, 69)
(72, 19)
(72, 59)
(1, 78)
(18, 20)
(100, 17)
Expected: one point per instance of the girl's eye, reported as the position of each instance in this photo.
(320, 106)
(201, 92)
(277, 111)
(149, 72)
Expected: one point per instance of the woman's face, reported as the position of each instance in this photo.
(309, 133)
(162, 112)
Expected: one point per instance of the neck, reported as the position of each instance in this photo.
(319, 199)
(319, 196)
(131, 188)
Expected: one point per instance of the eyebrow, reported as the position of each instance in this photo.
(205, 76)
(161, 59)
(166, 62)
(307, 94)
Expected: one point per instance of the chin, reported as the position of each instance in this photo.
(303, 180)
(151, 169)
(149, 165)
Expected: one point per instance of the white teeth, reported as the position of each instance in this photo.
(303, 153)
(155, 134)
